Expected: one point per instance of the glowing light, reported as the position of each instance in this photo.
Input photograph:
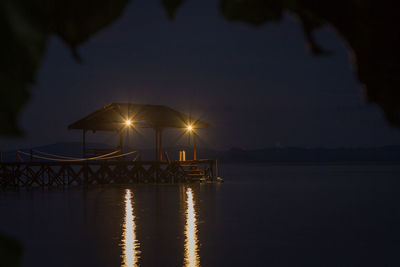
(191, 247)
(130, 243)
(190, 127)
(128, 122)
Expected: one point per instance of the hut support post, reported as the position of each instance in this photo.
(194, 147)
(160, 145)
(156, 132)
(84, 144)
(121, 137)
(216, 169)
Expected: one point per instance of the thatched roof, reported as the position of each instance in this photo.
(113, 116)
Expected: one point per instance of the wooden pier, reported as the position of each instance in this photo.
(114, 167)
(47, 174)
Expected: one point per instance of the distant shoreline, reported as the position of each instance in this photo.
(331, 163)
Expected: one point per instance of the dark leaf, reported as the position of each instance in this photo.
(10, 252)
(25, 26)
(255, 12)
(171, 6)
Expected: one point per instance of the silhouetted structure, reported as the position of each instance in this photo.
(118, 117)
(26, 174)
(114, 167)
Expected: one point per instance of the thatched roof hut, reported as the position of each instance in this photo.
(117, 117)
(113, 117)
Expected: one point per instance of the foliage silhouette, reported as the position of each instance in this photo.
(26, 26)
(367, 26)
(10, 252)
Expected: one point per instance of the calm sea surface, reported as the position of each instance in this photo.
(261, 216)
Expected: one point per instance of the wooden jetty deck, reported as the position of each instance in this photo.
(47, 174)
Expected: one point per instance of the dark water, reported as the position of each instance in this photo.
(261, 216)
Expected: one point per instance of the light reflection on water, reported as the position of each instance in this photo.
(191, 242)
(91, 219)
(130, 243)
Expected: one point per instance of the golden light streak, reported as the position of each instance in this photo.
(192, 258)
(130, 243)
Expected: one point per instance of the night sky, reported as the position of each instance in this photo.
(258, 87)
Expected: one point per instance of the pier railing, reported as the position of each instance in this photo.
(46, 173)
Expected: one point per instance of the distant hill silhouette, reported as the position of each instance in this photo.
(239, 155)
(316, 155)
